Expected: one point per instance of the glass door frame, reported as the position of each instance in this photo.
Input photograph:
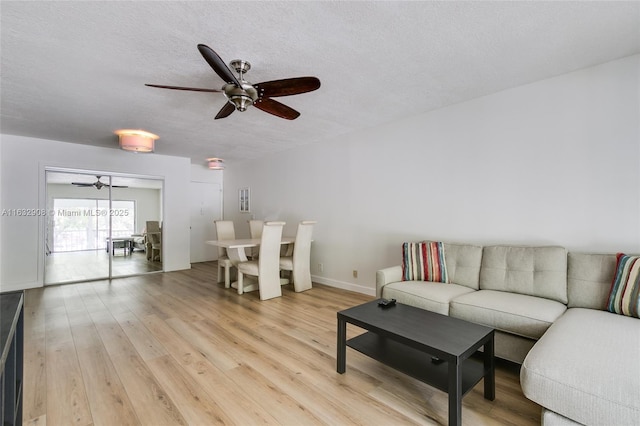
(104, 176)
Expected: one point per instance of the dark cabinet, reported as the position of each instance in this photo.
(11, 339)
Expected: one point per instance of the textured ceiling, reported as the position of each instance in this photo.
(75, 71)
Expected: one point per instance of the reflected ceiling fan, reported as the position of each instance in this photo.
(97, 184)
(241, 94)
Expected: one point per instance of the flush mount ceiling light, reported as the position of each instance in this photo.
(216, 163)
(136, 140)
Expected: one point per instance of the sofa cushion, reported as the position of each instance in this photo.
(424, 261)
(625, 291)
(463, 264)
(427, 295)
(586, 368)
(589, 278)
(549, 418)
(520, 314)
(534, 271)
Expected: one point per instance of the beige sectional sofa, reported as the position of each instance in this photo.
(579, 362)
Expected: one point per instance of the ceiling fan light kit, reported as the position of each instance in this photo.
(241, 94)
(215, 163)
(136, 140)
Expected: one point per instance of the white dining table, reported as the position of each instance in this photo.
(236, 248)
(237, 254)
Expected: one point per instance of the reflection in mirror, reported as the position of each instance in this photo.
(94, 219)
(74, 231)
(136, 244)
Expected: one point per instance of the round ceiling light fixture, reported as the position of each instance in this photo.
(136, 140)
(215, 163)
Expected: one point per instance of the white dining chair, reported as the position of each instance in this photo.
(267, 267)
(224, 231)
(299, 264)
(155, 239)
(255, 230)
(152, 235)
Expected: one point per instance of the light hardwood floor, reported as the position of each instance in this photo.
(93, 264)
(177, 348)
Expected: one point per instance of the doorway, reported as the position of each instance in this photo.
(97, 224)
(206, 208)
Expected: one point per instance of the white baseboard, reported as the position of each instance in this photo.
(344, 285)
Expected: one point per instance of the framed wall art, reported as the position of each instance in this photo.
(243, 197)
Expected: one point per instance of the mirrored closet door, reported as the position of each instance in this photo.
(101, 226)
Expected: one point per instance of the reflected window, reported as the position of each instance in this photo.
(83, 224)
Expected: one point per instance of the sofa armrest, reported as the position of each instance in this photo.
(387, 275)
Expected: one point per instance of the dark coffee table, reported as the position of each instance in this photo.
(433, 348)
(125, 243)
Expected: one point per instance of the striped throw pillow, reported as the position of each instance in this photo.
(624, 296)
(424, 262)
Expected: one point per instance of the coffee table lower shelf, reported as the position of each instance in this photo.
(415, 363)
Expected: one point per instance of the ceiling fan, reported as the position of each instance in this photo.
(241, 94)
(97, 184)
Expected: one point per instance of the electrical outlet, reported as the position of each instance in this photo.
(320, 267)
(355, 273)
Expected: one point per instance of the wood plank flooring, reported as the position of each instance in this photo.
(65, 267)
(177, 348)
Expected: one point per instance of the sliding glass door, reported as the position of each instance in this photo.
(96, 227)
(136, 208)
(73, 229)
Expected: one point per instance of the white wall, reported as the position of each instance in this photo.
(553, 162)
(23, 161)
(200, 173)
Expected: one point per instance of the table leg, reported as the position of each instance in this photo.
(455, 392)
(342, 346)
(489, 371)
(237, 255)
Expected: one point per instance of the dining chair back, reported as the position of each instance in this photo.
(300, 263)
(267, 267)
(152, 226)
(255, 230)
(224, 231)
(153, 236)
(156, 246)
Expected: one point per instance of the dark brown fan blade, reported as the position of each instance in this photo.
(218, 64)
(226, 111)
(276, 108)
(117, 186)
(81, 184)
(193, 89)
(287, 86)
